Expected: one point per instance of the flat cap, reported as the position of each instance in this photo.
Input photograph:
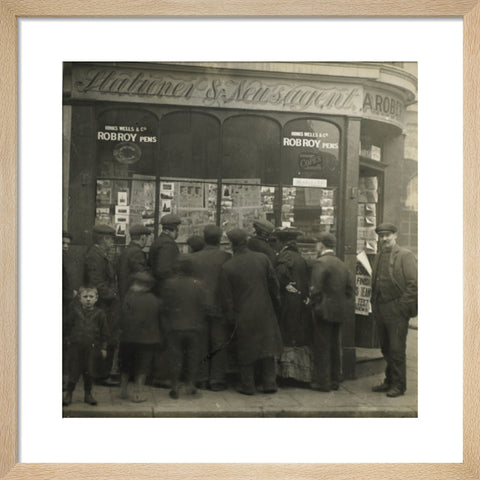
(196, 243)
(170, 219)
(327, 239)
(237, 236)
(386, 227)
(263, 226)
(212, 233)
(139, 229)
(103, 229)
(143, 277)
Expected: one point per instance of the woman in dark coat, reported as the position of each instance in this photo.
(249, 292)
(292, 273)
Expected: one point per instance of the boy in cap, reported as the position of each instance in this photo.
(332, 295)
(132, 258)
(394, 302)
(141, 333)
(184, 309)
(86, 332)
(100, 272)
(260, 241)
(249, 289)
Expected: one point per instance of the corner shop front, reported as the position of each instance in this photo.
(226, 145)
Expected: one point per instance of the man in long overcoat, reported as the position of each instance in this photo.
(249, 290)
(332, 293)
(163, 260)
(133, 258)
(207, 264)
(394, 302)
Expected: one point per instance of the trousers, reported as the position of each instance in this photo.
(392, 329)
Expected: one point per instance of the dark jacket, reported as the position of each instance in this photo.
(332, 290)
(259, 244)
(249, 287)
(207, 264)
(101, 273)
(86, 326)
(163, 256)
(132, 260)
(291, 268)
(184, 303)
(403, 273)
(141, 321)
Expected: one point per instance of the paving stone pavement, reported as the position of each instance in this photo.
(353, 399)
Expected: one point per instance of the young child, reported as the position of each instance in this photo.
(86, 333)
(185, 309)
(141, 334)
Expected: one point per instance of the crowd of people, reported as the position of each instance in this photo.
(174, 320)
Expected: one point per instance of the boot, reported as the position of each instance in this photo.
(138, 390)
(67, 398)
(89, 399)
(124, 386)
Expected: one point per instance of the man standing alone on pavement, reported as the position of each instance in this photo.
(332, 297)
(394, 302)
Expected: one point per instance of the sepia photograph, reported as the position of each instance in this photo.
(240, 239)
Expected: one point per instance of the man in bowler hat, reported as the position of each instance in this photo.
(394, 302)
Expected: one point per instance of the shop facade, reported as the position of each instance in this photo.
(316, 146)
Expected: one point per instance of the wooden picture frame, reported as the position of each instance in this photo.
(10, 11)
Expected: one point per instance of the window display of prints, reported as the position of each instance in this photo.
(367, 220)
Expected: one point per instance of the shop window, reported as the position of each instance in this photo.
(127, 145)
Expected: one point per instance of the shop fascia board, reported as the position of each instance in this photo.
(347, 72)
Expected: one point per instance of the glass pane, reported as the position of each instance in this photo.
(127, 143)
(195, 202)
(311, 150)
(189, 145)
(122, 203)
(251, 148)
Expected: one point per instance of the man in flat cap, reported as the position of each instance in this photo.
(207, 264)
(132, 258)
(249, 289)
(164, 251)
(292, 272)
(100, 273)
(394, 302)
(163, 259)
(259, 241)
(332, 295)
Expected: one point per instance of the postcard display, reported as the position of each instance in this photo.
(366, 241)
